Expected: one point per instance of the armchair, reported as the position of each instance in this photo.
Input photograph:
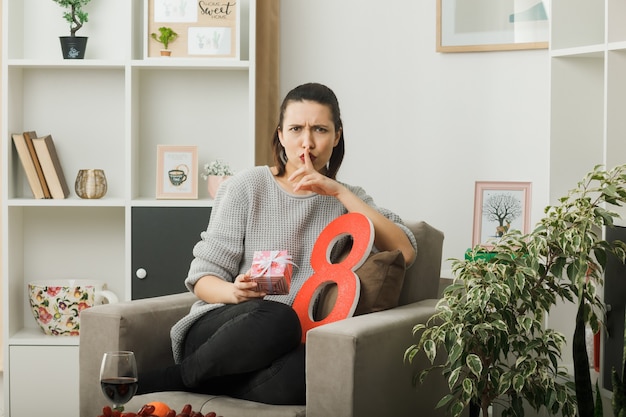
(354, 367)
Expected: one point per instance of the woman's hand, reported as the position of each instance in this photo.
(307, 178)
(245, 288)
(212, 289)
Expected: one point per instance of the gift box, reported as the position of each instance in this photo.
(272, 271)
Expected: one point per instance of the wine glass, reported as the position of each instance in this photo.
(118, 377)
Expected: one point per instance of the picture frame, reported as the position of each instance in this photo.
(492, 25)
(177, 172)
(498, 208)
(206, 29)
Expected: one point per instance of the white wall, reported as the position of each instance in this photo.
(421, 127)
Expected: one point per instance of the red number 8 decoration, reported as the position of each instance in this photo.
(348, 285)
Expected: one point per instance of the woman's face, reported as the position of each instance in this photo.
(308, 126)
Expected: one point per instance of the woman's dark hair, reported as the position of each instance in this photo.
(320, 94)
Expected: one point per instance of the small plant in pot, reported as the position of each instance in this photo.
(73, 47)
(165, 36)
(215, 173)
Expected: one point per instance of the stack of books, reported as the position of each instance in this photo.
(41, 165)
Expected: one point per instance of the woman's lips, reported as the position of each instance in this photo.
(313, 157)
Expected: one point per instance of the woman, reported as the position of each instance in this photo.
(239, 341)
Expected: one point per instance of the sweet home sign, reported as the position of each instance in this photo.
(205, 28)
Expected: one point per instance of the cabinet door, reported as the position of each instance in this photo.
(615, 297)
(44, 381)
(162, 242)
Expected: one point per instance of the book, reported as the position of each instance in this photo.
(28, 164)
(51, 166)
(28, 137)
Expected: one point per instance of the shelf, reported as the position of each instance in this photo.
(114, 202)
(617, 46)
(68, 202)
(36, 337)
(192, 63)
(590, 51)
(66, 63)
(147, 202)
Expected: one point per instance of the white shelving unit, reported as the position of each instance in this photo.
(108, 111)
(588, 62)
(588, 102)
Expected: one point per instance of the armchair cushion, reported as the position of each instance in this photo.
(381, 277)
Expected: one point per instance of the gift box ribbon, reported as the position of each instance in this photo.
(275, 257)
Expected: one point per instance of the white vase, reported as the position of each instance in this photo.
(213, 183)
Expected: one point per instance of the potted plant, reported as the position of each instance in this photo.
(215, 173)
(165, 36)
(73, 47)
(490, 321)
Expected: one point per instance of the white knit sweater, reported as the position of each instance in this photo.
(253, 212)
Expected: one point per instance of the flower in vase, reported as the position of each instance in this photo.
(216, 168)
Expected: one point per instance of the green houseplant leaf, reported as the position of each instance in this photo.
(165, 36)
(75, 15)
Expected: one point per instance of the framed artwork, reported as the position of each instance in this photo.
(491, 25)
(205, 28)
(498, 208)
(177, 172)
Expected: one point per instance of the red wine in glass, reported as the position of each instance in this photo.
(118, 378)
(119, 390)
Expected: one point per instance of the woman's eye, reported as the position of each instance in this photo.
(295, 128)
(321, 129)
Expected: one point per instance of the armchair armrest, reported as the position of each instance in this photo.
(355, 367)
(142, 326)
